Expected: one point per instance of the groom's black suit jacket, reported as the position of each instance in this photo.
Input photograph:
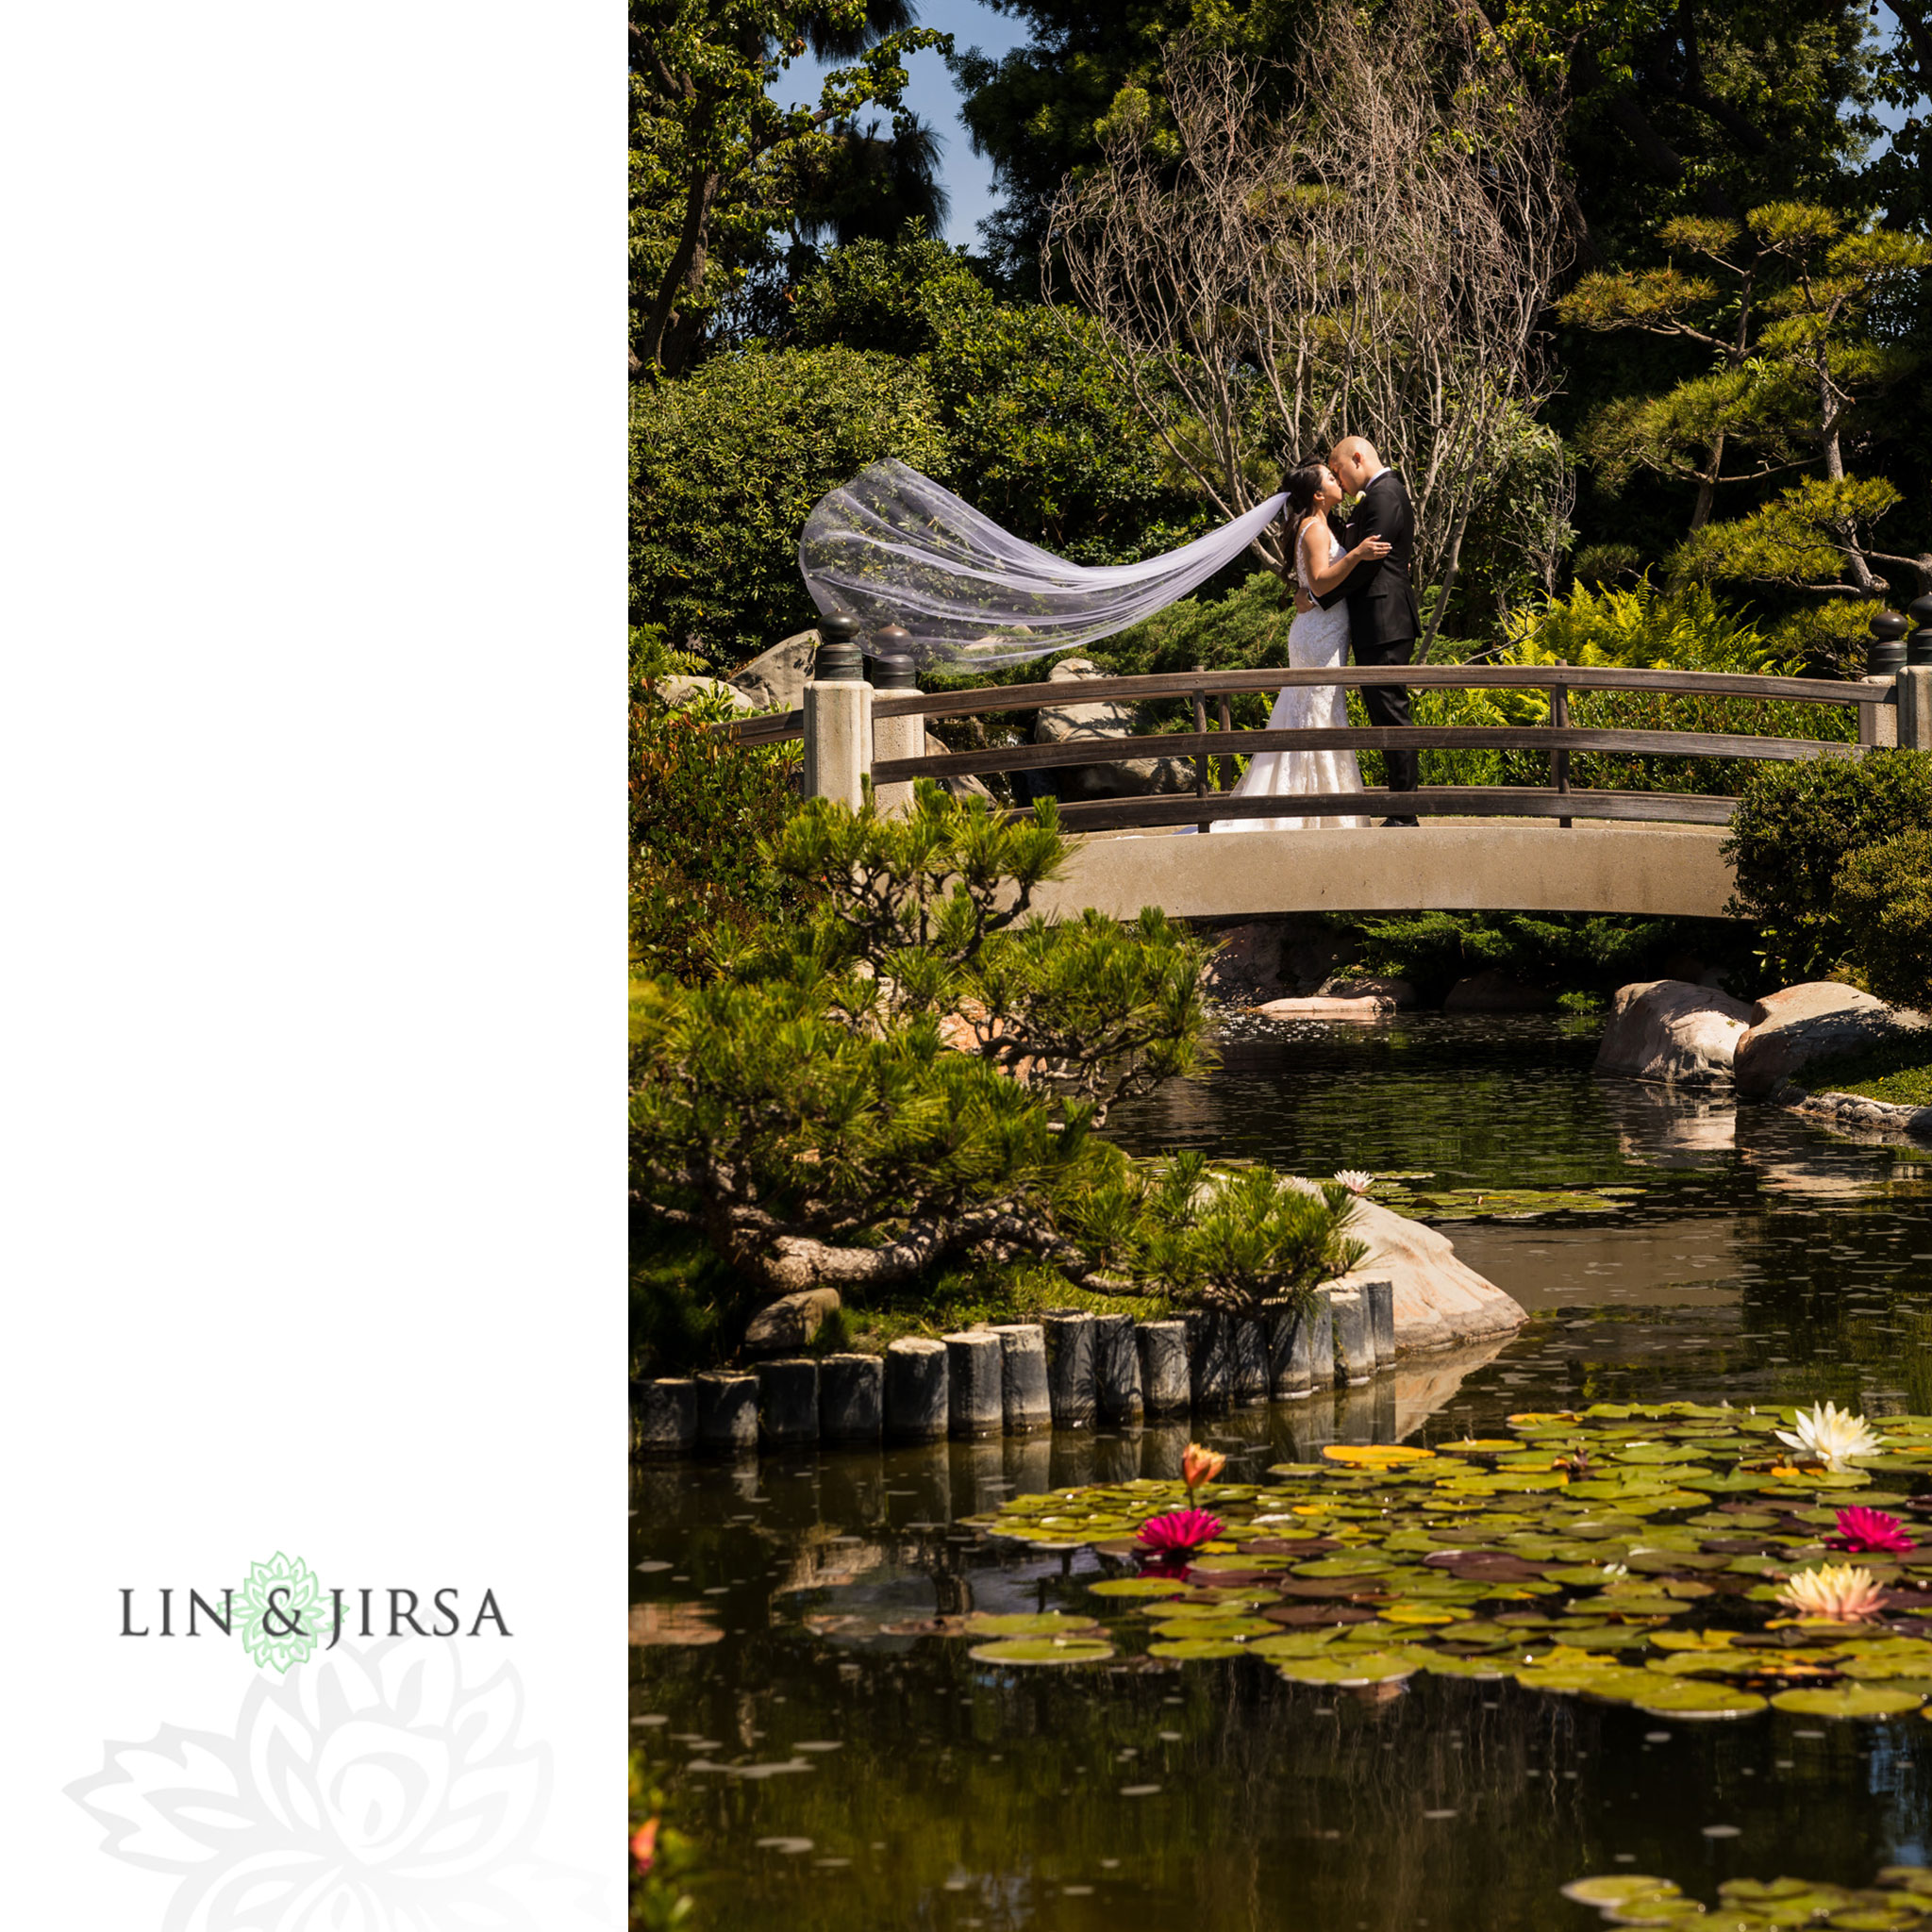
(1381, 600)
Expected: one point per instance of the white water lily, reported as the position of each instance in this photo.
(1355, 1179)
(1833, 1590)
(1614, 1571)
(1831, 1434)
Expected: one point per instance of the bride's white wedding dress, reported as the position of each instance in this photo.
(1317, 638)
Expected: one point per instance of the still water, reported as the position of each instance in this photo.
(840, 1769)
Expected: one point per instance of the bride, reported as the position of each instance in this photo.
(1316, 638)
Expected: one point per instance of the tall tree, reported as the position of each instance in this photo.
(1375, 258)
(1039, 112)
(1701, 107)
(716, 162)
(1783, 300)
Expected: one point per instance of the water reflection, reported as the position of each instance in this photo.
(846, 1765)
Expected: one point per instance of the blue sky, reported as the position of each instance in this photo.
(933, 97)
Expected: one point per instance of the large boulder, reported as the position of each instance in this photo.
(774, 681)
(1817, 1021)
(1315, 1006)
(1357, 986)
(1124, 779)
(686, 692)
(1671, 1030)
(790, 1323)
(1496, 991)
(1439, 1300)
(1246, 964)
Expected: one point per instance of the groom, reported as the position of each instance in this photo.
(1383, 620)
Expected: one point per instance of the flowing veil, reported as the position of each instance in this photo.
(893, 547)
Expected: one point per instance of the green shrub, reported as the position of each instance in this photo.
(1580, 953)
(699, 806)
(916, 1074)
(1884, 902)
(1045, 440)
(1681, 628)
(1042, 437)
(1793, 829)
(885, 295)
(726, 466)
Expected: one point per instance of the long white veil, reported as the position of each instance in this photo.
(893, 547)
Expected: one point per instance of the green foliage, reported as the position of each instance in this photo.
(888, 296)
(726, 464)
(918, 1071)
(699, 808)
(1035, 424)
(1054, 448)
(1898, 1070)
(1581, 953)
(1795, 827)
(1884, 902)
(1040, 111)
(717, 162)
(1683, 628)
(1801, 537)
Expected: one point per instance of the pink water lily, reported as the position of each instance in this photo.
(1871, 1531)
(1174, 1532)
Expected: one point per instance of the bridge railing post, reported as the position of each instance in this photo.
(1201, 757)
(1229, 777)
(1560, 721)
(1915, 680)
(890, 669)
(838, 717)
(1884, 658)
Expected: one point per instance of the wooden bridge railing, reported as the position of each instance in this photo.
(1894, 705)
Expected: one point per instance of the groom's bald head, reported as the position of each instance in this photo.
(1354, 461)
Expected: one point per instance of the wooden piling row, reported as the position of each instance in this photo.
(1070, 1371)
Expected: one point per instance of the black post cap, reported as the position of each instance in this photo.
(1919, 645)
(1886, 654)
(838, 660)
(890, 666)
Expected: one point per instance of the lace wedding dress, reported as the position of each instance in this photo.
(1317, 638)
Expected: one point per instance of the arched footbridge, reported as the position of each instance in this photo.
(1554, 847)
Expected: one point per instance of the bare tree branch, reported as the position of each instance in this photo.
(1374, 259)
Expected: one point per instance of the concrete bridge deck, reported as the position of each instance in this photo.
(1460, 865)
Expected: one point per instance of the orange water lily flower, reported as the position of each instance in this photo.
(643, 1845)
(1199, 1465)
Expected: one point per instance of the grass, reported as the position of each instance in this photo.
(1900, 1070)
(688, 1310)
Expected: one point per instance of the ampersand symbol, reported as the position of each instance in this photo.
(292, 1626)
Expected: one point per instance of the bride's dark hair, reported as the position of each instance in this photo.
(1302, 484)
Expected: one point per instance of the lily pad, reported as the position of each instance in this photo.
(1027, 1623)
(1618, 1889)
(1679, 1698)
(1195, 1649)
(1044, 1650)
(1353, 1667)
(1848, 1700)
(1138, 1586)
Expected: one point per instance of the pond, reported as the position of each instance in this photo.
(840, 1766)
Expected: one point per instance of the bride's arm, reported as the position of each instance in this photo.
(1326, 576)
